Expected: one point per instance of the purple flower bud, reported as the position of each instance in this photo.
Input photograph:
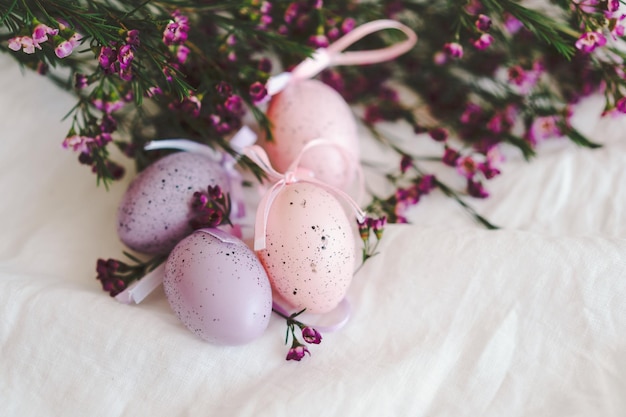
(450, 156)
(132, 37)
(234, 104)
(310, 335)
(257, 92)
(439, 134)
(297, 352)
(405, 163)
(453, 49)
(476, 189)
(318, 41)
(483, 23)
(80, 81)
(483, 42)
(621, 105)
(215, 192)
(348, 24)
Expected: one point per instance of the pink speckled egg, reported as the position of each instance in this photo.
(306, 110)
(154, 213)
(310, 248)
(218, 288)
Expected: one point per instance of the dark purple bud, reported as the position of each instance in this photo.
(257, 92)
(450, 156)
(475, 189)
(297, 352)
(483, 23)
(405, 163)
(310, 335)
(439, 134)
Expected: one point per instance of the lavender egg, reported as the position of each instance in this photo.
(218, 288)
(306, 110)
(154, 213)
(310, 248)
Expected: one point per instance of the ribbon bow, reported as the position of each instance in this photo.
(293, 175)
(333, 55)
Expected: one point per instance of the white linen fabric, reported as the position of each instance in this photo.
(448, 320)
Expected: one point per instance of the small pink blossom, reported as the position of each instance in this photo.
(41, 32)
(78, 143)
(15, 44)
(466, 166)
(453, 49)
(621, 105)
(483, 42)
(589, 41)
(64, 49)
(296, 353)
(544, 127)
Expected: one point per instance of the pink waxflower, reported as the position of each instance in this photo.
(78, 143)
(15, 44)
(589, 41)
(466, 166)
(41, 32)
(182, 52)
(621, 105)
(612, 5)
(453, 49)
(483, 42)
(511, 24)
(544, 127)
(25, 43)
(64, 49)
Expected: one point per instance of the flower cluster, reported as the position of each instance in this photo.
(298, 350)
(210, 208)
(63, 39)
(367, 226)
(115, 276)
(484, 75)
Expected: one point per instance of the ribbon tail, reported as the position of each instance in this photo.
(140, 289)
(262, 215)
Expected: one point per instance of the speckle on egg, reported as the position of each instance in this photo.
(222, 299)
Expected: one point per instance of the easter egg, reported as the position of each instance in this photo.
(154, 213)
(310, 249)
(218, 288)
(306, 110)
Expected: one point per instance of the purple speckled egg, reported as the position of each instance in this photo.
(218, 288)
(310, 248)
(306, 110)
(154, 213)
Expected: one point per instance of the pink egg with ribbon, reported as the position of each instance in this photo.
(310, 249)
(303, 235)
(218, 288)
(306, 110)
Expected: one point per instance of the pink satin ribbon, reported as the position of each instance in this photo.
(333, 55)
(293, 175)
